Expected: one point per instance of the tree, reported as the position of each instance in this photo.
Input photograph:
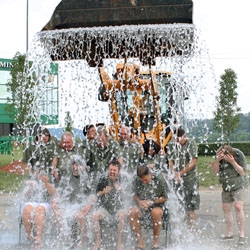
(21, 86)
(227, 116)
(68, 123)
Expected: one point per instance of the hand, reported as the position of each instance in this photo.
(177, 178)
(56, 175)
(229, 158)
(117, 187)
(145, 204)
(107, 189)
(44, 179)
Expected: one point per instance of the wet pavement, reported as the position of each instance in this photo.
(209, 227)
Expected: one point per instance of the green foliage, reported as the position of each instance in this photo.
(68, 123)
(10, 183)
(21, 86)
(206, 175)
(227, 113)
(203, 130)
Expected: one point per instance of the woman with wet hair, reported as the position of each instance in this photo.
(40, 151)
(230, 164)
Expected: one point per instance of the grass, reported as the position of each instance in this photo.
(17, 154)
(206, 176)
(12, 182)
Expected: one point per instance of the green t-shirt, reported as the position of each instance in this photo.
(181, 155)
(114, 200)
(155, 189)
(230, 179)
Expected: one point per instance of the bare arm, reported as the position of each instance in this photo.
(189, 166)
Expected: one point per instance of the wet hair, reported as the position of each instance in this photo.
(67, 133)
(151, 144)
(142, 170)
(226, 149)
(116, 163)
(42, 131)
(86, 129)
(180, 132)
(78, 160)
(102, 129)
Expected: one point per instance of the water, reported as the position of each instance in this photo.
(188, 62)
(190, 72)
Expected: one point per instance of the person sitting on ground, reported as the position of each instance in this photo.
(230, 164)
(150, 195)
(75, 203)
(39, 197)
(111, 196)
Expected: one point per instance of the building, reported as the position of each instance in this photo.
(48, 103)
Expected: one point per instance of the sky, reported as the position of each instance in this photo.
(223, 25)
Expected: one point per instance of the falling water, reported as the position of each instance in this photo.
(178, 49)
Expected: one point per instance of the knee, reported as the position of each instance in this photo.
(27, 209)
(133, 212)
(238, 207)
(156, 213)
(122, 216)
(40, 211)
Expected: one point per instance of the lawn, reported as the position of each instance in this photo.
(11, 182)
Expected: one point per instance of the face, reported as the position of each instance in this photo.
(124, 135)
(113, 172)
(151, 151)
(146, 178)
(67, 143)
(76, 169)
(181, 140)
(43, 138)
(91, 133)
(102, 140)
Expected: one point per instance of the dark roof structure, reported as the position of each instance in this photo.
(91, 13)
(122, 34)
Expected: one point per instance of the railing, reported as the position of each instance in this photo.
(5, 145)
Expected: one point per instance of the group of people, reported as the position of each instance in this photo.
(102, 179)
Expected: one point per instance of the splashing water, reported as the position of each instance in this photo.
(178, 49)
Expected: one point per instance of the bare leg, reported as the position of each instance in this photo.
(228, 218)
(27, 218)
(96, 220)
(121, 219)
(191, 219)
(39, 219)
(81, 218)
(134, 215)
(156, 214)
(240, 216)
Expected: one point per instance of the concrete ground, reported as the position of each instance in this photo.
(209, 227)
